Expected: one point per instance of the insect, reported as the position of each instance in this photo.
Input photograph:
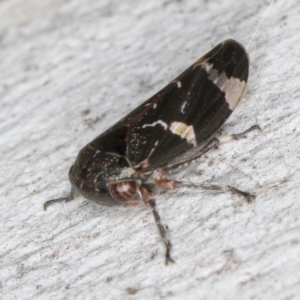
(124, 165)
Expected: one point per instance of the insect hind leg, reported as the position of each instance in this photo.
(229, 138)
(221, 188)
(167, 184)
(213, 143)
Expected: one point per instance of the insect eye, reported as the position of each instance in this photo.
(126, 192)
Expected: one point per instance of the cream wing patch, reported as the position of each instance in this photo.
(184, 131)
(159, 122)
(232, 87)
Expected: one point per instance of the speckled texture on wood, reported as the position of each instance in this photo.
(68, 71)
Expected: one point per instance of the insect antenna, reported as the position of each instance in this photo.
(66, 199)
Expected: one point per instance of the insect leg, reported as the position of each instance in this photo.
(162, 230)
(67, 199)
(213, 143)
(229, 138)
(168, 184)
(221, 188)
(150, 202)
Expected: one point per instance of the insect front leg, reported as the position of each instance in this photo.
(150, 202)
(67, 199)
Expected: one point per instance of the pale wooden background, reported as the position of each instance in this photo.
(68, 71)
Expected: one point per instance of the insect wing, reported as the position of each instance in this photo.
(184, 113)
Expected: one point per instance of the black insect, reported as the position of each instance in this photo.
(126, 163)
